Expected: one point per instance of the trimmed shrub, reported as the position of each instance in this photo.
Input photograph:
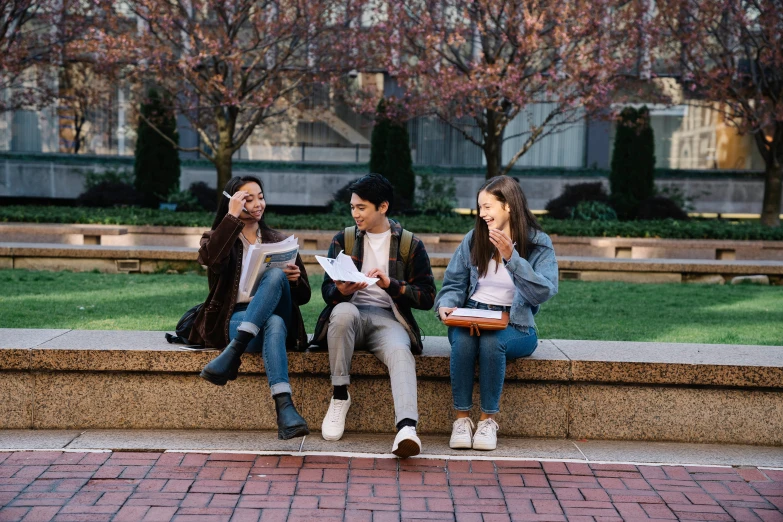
(660, 207)
(562, 207)
(436, 195)
(205, 195)
(632, 175)
(593, 211)
(110, 194)
(157, 167)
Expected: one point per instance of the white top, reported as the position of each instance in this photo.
(496, 288)
(376, 255)
(243, 297)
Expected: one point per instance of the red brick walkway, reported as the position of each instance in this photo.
(42, 486)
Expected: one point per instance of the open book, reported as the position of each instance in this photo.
(343, 269)
(266, 255)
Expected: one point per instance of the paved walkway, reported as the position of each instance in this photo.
(155, 486)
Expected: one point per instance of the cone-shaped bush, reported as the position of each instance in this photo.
(390, 155)
(632, 176)
(156, 168)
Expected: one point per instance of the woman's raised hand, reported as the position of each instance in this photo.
(502, 242)
(237, 202)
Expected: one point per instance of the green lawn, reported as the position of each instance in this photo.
(610, 311)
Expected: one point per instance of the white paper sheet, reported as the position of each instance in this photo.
(472, 312)
(342, 269)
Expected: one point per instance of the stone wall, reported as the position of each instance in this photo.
(304, 186)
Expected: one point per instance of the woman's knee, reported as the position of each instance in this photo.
(275, 276)
(522, 346)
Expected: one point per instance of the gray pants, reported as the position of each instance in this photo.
(378, 331)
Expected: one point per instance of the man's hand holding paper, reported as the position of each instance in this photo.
(344, 274)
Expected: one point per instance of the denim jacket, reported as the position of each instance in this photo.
(535, 279)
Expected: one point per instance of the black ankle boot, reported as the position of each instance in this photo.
(225, 366)
(289, 423)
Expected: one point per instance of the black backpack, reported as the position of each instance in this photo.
(184, 326)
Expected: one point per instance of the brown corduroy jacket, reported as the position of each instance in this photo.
(221, 253)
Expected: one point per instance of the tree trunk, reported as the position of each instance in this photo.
(223, 165)
(225, 118)
(773, 178)
(493, 145)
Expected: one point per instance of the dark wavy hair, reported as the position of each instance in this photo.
(507, 190)
(231, 187)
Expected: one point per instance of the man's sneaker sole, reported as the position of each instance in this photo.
(407, 448)
(331, 437)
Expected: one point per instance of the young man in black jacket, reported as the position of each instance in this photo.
(376, 317)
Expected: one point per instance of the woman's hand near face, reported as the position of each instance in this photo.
(292, 272)
(237, 202)
(502, 242)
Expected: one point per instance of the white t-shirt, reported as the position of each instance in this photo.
(495, 288)
(376, 255)
(244, 297)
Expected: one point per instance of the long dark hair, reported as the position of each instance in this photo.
(507, 191)
(231, 187)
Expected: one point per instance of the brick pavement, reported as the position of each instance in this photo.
(151, 487)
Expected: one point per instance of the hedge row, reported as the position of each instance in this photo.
(454, 224)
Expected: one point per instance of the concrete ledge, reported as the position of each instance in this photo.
(72, 379)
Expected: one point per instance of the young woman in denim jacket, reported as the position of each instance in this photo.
(505, 263)
(268, 321)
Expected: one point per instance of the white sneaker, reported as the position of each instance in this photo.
(486, 437)
(406, 443)
(462, 434)
(333, 426)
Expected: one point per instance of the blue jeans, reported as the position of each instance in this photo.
(491, 349)
(269, 309)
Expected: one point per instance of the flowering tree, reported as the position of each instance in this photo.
(730, 57)
(478, 64)
(29, 41)
(227, 67)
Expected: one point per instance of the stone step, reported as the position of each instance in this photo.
(83, 379)
(375, 445)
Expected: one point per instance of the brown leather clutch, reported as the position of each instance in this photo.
(476, 324)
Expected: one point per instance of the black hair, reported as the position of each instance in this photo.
(231, 187)
(374, 188)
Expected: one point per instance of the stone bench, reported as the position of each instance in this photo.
(61, 233)
(155, 258)
(82, 379)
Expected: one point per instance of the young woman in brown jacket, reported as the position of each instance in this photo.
(268, 321)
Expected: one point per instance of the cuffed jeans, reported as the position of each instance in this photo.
(491, 349)
(270, 309)
(378, 331)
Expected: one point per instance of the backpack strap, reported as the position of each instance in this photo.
(349, 237)
(406, 240)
